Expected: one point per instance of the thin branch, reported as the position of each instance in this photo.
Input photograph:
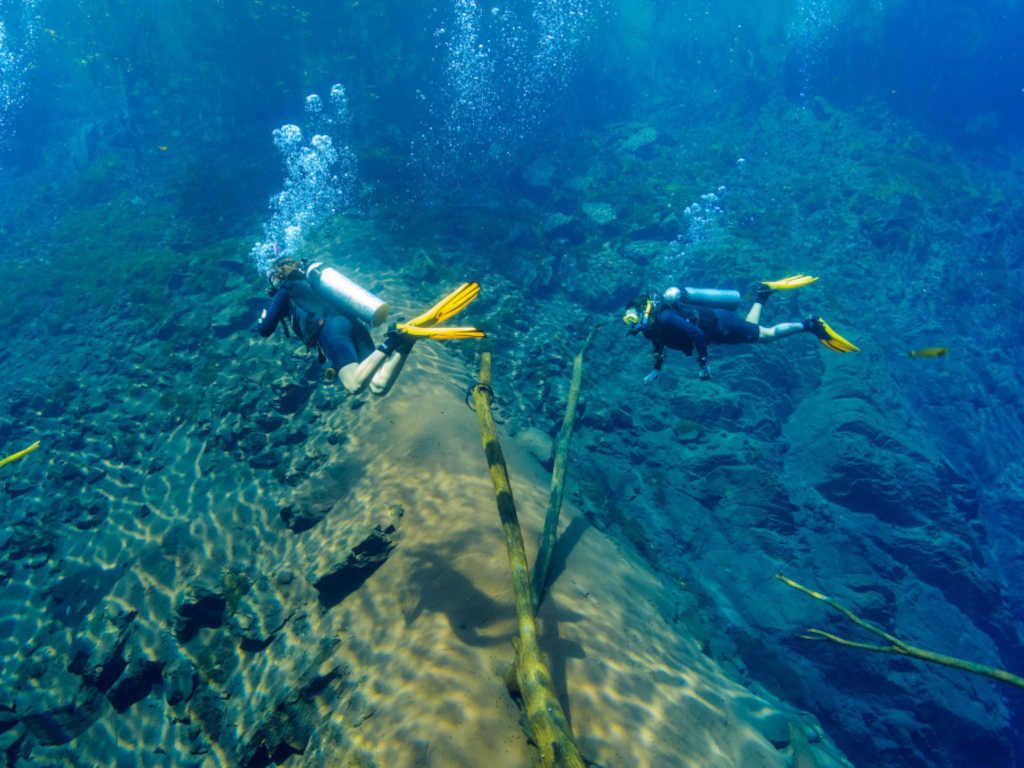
(547, 541)
(895, 645)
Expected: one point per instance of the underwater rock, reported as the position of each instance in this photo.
(78, 589)
(555, 222)
(179, 679)
(538, 444)
(539, 173)
(605, 281)
(289, 728)
(266, 460)
(609, 418)
(268, 421)
(900, 516)
(561, 228)
(666, 226)
(640, 139)
(139, 677)
(859, 454)
(259, 614)
(30, 543)
(253, 441)
(97, 653)
(53, 721)
(357, 551)
(859, 457)
(292, 398)
(18, 486)
(600, 213)
(201, 604)
(91, 517)
(312, 501)
(707, 406)
(643, 252)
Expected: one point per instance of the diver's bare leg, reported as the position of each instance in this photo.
(763, 294)
(386, 375)
(779, 331)
(355, 375)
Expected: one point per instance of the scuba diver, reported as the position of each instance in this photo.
(333, 315)
(689, 319)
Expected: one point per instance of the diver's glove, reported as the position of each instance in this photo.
(650, 377)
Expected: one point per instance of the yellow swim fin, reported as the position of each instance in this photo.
(788, 283)
(441, 333)
(829, 337)
(19, 454)
(448, 307)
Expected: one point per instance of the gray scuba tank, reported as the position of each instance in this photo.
(332, 286)
(715, 298)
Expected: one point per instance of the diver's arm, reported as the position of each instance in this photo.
(272, 315)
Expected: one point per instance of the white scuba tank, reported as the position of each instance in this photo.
(716, 298)
(334, 287)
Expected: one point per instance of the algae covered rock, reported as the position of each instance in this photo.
(640, 138)
(600, 213)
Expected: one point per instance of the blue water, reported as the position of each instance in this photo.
(570, 154)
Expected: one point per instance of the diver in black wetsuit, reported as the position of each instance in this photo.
(342, 340)
(680, 321)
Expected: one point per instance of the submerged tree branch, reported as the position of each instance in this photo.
(548, 723)
(547, 541)
(894, 645)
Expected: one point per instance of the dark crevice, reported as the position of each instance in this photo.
(264, 757)
(251, 645)
(205, 612)
(365, 558)
(137, 687)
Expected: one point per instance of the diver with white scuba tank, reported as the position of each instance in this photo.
(688, 319)
(333, 315)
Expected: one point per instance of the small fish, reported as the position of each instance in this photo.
(929, 352)
(50, 31)
(162, 147)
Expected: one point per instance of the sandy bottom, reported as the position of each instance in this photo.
(430, 632)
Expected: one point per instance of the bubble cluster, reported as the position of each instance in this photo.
(702, 214)
(812, 19)
(19, 27)
(470, 72)
(320, 177)
(700, 218)
(505, 66)
(559, 25)
(812, 25)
